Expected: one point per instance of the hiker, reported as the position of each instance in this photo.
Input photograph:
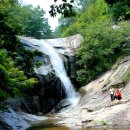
(117, 95)
(112, 91)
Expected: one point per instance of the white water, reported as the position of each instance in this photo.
(45, 47)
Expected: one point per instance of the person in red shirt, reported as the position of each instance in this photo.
(117, 95)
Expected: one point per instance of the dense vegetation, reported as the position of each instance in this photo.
(16, 63)
(105, 28)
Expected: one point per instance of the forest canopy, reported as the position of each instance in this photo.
(16, 63)
(105, 28)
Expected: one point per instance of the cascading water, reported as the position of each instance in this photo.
(55, 102)
(45, 47)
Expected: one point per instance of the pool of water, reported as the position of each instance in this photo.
(48, 124)
(66, 128)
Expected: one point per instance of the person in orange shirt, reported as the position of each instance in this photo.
(117, 95)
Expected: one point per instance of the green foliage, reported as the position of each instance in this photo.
(83, 4)
(101, 47)
(95, 12)
(17, 19)
(7, 3)
(102, 44)
(120, 10)
(37, 26)
(66, 8)
(12, 80)
(64, 23)
(14, 48)
(29, 20)
(15, 68)
(126, 78)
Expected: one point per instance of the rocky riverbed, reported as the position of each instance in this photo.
(95, 108)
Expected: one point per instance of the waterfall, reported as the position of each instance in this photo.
(45, 47)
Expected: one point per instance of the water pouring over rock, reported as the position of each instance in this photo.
(49, 47)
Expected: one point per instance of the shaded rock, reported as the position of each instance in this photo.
(40, 114)
(30, 104)
(32, 119)
(116, 102)
(86, 121)
(14, 103)
(50, 90)
(2, 128)
(12, 121)
(89, 110)
(64, 104)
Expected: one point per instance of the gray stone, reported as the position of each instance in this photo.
(106, 113)
(12, 121)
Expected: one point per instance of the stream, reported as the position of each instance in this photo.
(66, 128)
(49, 125)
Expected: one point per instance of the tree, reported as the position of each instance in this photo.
(37, 26)
(97, 11)
(102, 44)
(64, 23)
(111, 2)
(12, 80)
(66, 8)
(7, 3)
(83, 4)
(30, 20)
(120, 10)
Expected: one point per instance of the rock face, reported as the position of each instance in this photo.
(50, 90)
(95, 109)
(68, 45)
(12, 121)
(63, 105)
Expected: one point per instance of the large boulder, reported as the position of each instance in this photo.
(10, 120)
(50, 90)
(67, 45)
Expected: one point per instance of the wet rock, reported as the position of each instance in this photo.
(105, 114)
(86, 121)
(40, 114)
(14, 103)
(2, 128)
(33, 119)
(90, 110)
(50, 90)
(12, 121)
(64, 104)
